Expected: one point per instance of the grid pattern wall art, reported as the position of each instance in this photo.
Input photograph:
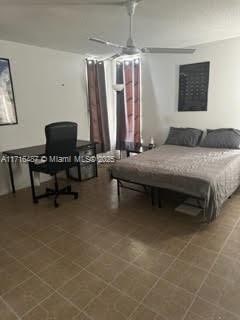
(193, 87)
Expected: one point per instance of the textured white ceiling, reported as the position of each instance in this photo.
(165, 23)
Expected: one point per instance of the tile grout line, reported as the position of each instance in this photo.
(140, 268)
(177, 286)
(83, 269)
(48, 296)
(110, 283)
(204, 299)
(56, 290)
(35, 250)
(43, 244)
(156, 283)
(27, 268)
(161, 277)
(105, 251)
(177, 257)
(9, 307)
(209, 271)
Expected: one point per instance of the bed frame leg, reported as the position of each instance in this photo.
(159, 198)
(152, 195)
(118, 190)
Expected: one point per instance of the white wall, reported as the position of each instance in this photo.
(160, 90)
(49, 86)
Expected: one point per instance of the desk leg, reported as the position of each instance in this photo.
(118, 190)
(96, 163)
(11, 176)
(159, 198)
(69, 176)
(35, 200)
(68, 173)
(79, 172)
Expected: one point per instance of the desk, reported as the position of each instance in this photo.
(38, 151)
(136, 149)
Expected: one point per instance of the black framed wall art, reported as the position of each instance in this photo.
(8, 114)
(193, 87)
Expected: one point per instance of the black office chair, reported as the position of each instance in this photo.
(61, 155)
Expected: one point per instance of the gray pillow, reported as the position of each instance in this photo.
(188, 137)
(222, 138)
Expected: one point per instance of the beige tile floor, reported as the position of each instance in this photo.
(92, 259)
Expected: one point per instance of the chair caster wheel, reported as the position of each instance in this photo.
(76, 196)
(48, 192)
(35, 201)
(56, 205)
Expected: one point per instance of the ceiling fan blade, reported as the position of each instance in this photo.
(61, 3)
(97, 58)
(168, 50)
(102, 3)
(107, 43)
(115, 56)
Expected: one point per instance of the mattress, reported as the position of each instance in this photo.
(206, 173)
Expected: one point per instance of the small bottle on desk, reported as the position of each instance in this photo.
(152, 143)
(141, 145)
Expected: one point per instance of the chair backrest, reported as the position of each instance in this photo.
(61, 139)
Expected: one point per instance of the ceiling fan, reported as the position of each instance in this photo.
(131, 48)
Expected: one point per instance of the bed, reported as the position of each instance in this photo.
(210, 174)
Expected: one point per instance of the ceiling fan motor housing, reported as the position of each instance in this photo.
(131, 50)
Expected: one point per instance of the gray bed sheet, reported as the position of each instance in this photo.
(207, 173)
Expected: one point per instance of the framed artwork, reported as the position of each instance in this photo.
(8, 114)
(193, 87)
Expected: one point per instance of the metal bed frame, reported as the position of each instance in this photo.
(120, 185)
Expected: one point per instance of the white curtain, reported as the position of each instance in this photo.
(110, 76)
